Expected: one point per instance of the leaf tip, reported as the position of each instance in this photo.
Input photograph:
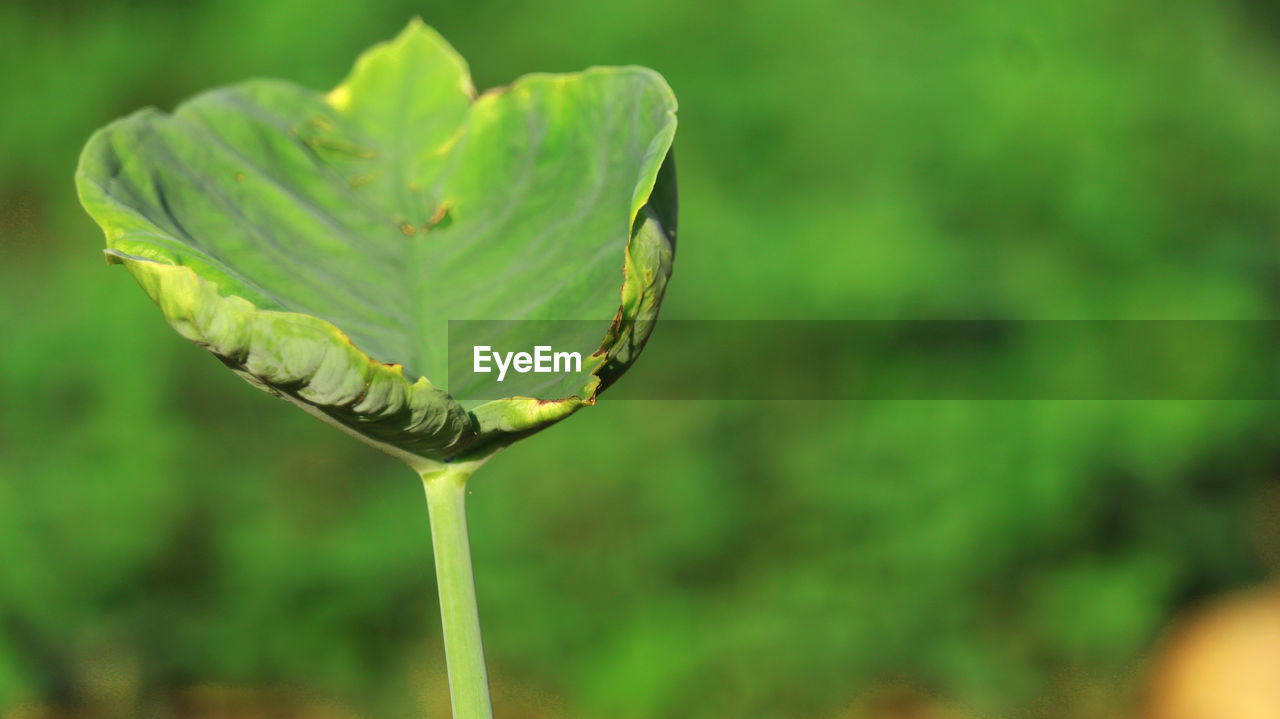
(419, 49)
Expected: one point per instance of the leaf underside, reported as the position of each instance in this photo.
(319, 243)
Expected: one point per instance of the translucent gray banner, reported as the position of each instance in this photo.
(871, 359)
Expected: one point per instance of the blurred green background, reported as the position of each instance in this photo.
(176, 544)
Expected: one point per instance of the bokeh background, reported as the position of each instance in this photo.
(176, 544)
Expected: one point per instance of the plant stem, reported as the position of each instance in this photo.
(464, 653)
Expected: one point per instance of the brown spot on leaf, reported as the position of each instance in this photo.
(610, 336)
(338, 146)
(440, 218)
(407, 228)
(364, 179)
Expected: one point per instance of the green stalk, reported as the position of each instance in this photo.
(463, 651)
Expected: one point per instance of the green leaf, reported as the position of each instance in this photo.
(318, 243)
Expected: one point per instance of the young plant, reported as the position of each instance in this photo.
(318, 244)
